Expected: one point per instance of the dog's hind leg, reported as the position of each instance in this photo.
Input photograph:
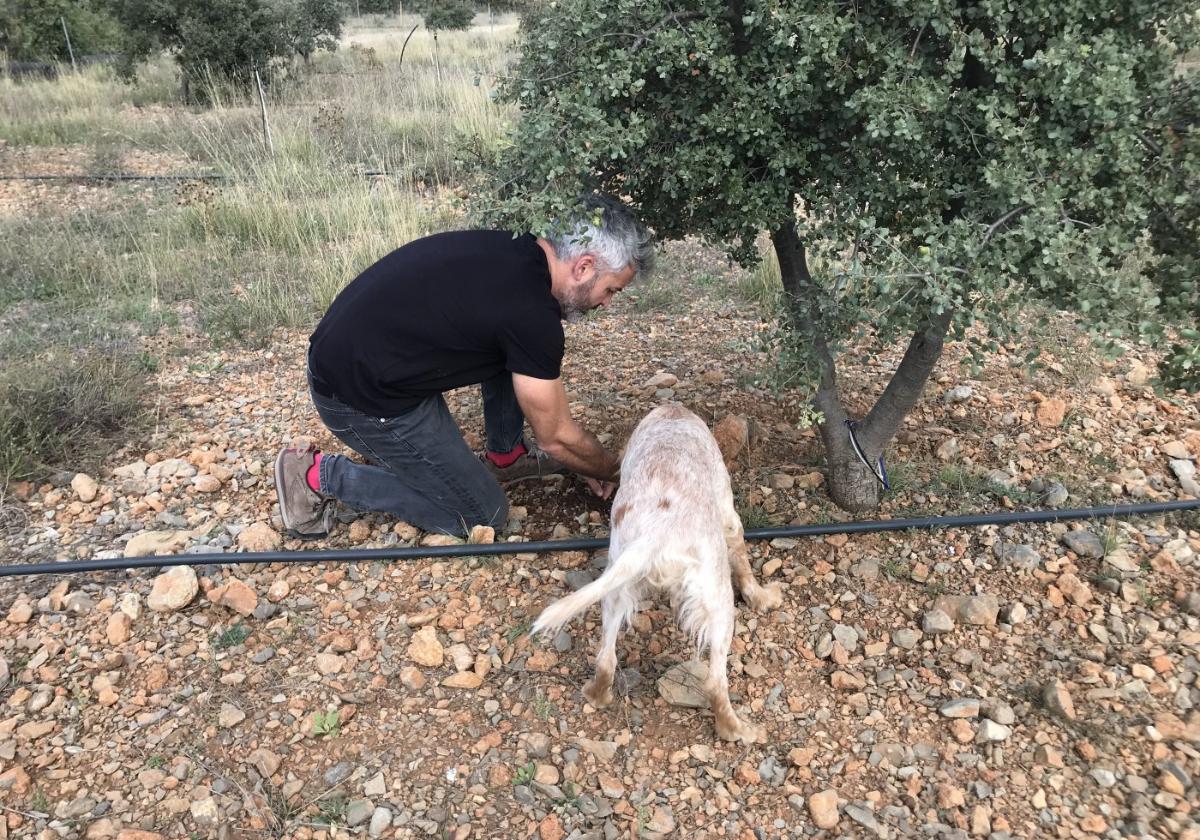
(716, 686)
(614, 609)
(760, 598)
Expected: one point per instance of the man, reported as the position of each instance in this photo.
(439, 313)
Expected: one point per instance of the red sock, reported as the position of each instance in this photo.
(313, 476)
(507, 459)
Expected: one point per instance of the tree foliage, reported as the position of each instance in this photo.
(919, 165)
(229, 39)
(446, 14)
(32, 30)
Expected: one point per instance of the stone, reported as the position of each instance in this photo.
(1084, 543)
(425, 649)
(85, 487)
(330, 663)
(979, 610)
(259, 536)
(174, 589)
(989, 730)
(550, 828)
(482, 535)
(235, 595)
(847, 681)
(847, 636)
(823, 808)
(1022, 556)
(683, 685)
(604, 751)
(381, 821)
(463, 679)
(230, 716)
(264, 761)
(1051, 412)
(20, 612)
(131, 605)
(117, 630)
(206, 483)
(1000, 712)
(967, 707)
(206, 812)
(907, 638)
(733, 435)
(412, 678)
(1014, 613)
(937, 621)
(958, 394)
(375, 786)
(1058, 700)
(359, 811)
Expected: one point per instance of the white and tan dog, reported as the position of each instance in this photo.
(674, 527)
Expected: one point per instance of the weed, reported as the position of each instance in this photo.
(232, 637)
(524, 775)
(894, 568)
(517, 631)
(156, 762)
(327, 724)
(38, 802)
(754, 516)
(332, 811)
(543, 707)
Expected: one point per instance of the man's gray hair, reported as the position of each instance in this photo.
(619, 241)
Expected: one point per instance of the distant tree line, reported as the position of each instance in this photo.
(210, 39)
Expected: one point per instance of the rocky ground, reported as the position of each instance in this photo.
(1027, 681)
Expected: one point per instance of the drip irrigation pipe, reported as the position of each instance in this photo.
(126, 177)
(590, 544)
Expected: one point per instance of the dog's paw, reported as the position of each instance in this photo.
(763, 598)
(739, 730)
(600, 698)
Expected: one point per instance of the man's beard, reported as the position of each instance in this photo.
(578, 302)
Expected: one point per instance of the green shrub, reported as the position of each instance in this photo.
(448, 15)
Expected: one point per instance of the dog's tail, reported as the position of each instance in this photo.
(630, 567)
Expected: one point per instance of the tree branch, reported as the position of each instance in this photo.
(906, 385)
(1003, 220)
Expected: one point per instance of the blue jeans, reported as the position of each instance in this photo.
(421, 469)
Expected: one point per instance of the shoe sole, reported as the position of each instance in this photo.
(288, 528)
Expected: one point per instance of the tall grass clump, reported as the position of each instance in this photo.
(68, 410)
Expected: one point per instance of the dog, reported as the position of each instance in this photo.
(674, 527)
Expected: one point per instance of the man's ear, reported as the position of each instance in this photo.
(582, 266)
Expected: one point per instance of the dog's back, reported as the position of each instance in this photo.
(668, 518)
(674, 527)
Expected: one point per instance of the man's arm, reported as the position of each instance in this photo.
(544, 402)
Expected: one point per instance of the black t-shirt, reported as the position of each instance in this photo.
(441, 312)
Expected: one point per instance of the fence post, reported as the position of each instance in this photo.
(262, 103)
(436, 63)
(67, 35)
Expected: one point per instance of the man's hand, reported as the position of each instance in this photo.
(603, 489)
(544, 403)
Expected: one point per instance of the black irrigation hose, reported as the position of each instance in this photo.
(419, 552)
(125, 177)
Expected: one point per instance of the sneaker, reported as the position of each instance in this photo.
(306, 514)
(533, 464)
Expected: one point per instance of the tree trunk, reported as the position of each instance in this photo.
(852, 484)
